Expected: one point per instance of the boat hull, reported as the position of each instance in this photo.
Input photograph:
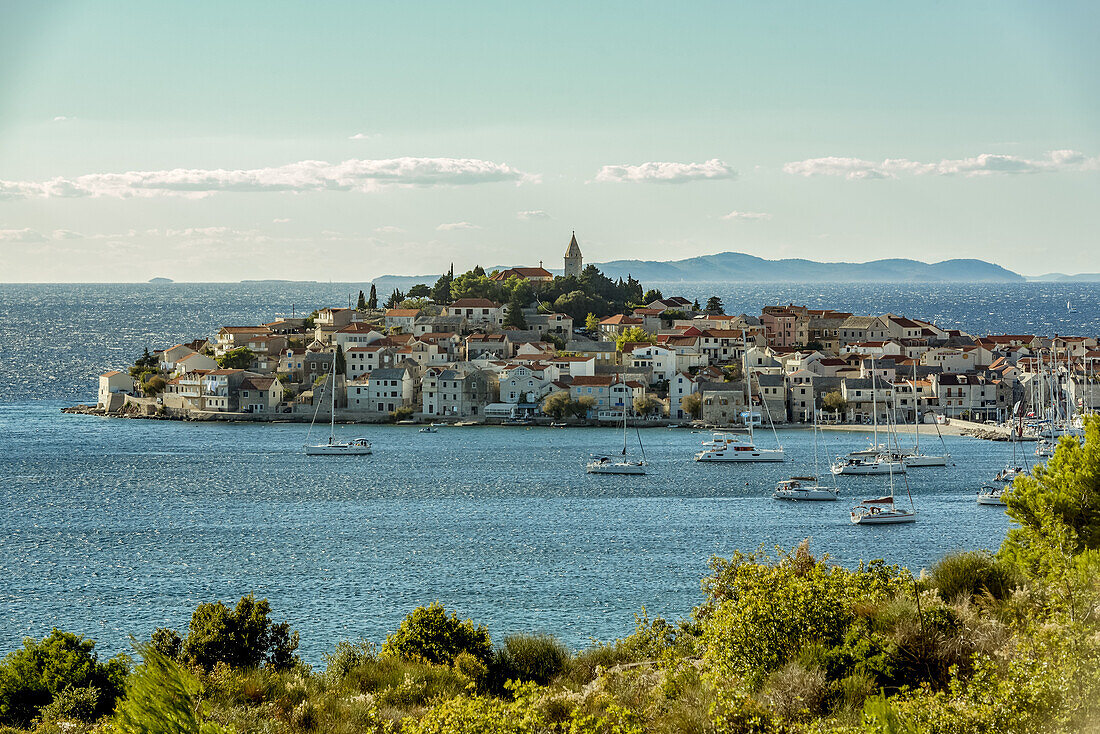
(925, 461)
(627, 469)
(888, 517)
(806, 495)
(337, 450)
(744, 457)
(866, 470)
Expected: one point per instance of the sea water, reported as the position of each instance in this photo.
(112, 527)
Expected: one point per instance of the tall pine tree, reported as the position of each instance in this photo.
(372, 302)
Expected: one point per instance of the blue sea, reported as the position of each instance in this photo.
(111, 528)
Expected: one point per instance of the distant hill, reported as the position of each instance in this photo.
(1063, 278)
(738, 267)
(160, 281)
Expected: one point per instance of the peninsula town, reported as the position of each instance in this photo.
(521, 344)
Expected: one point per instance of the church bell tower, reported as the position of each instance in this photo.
(574, 262)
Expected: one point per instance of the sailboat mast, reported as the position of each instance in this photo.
(332, 411)
(746, 377)
(874, 408)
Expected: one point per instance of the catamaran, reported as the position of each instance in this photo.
(604, 464)
(354, 447)
(807, 488)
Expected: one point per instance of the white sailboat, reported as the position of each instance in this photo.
(807, 488)
(604, 464)
(915, 458)
(737, 449)
(354, 447)
(991, 495)
(877, 459)
(883, 510)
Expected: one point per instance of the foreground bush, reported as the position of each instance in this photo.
(61, 672)
(973, 574)
(428, 634)
(241, 637)
(530, 658)
(161, 698)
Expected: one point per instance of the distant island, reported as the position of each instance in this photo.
(739, 267)
(1063, 278)
(160, 281)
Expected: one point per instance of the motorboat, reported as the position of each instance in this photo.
(737, 450)
(429, 429)
(804, 488)
(991, 495)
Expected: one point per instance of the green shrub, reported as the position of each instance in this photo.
(167, 642)
(72, 704)
(241, 637)
(795, 691)
(32, 677)
(428, 634)
(760, 612)
(972, 574)
(347, 657)
(535, 658)
(161, 698)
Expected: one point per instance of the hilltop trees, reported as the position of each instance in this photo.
(714, 306)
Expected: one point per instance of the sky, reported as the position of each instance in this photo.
(213, 141)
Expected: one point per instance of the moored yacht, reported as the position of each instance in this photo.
(991, 495)
(355, 447)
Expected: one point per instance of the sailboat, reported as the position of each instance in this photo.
(916, 458)
(883, 510)
(736, 449)
(604, 464)
(875, 460)
(807, 488)
(354, 447)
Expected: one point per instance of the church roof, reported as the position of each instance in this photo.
(574, 249)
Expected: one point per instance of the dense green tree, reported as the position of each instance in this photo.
(236, 359)
(241, 637)
(361, 304)
(714, 306)
(430, 635)
(153, 386)
(557, 405)
(834, 401)
(592, 323)
(513, 315)
(341, 361)
(395, 299)
(582, 406)
(32, 676)
(1057, 508)
(692, 404)
(653, 294)
(578, 304)
(633, 334)
(372, 300)
(441, 291)
(695, 306)
(647, 405)
(419, 291)
(672, 314)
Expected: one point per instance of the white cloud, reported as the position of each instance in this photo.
(456, 225)
(66, 234)
(666, 172)
(350, 175)
(985, 164)
(363, 136)
(281, 220)
(533, 214)
(747, 215)
(21, 235)
(61, 118)
(388, 229)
